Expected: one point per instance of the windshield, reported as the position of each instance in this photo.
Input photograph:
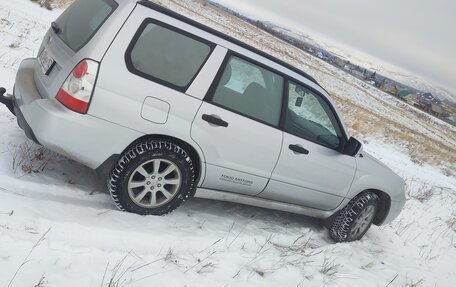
(81, 21)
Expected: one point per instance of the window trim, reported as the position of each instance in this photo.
(344, 138)
(114, 5)
(211, 92)
(173, 14)
(159, 81)
(285, 99)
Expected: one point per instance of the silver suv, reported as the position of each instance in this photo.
(174, 109)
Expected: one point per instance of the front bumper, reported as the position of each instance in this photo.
(395, 209)
(83, 138)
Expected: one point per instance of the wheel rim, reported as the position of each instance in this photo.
(154, 183)
(363, 222)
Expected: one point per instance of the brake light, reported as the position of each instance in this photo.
(81, 69)
(77, 89)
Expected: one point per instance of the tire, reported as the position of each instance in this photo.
(154, 177)
(355, 219)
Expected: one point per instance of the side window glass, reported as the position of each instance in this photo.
(243, 74)
(169, 56)
(309, 116)
(250, 90)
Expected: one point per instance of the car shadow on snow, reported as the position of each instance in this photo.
(65, 181)
(240, 212)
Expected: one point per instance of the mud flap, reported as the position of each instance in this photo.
(7, 101)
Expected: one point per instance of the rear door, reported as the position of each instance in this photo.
(311, 171)
(69, 34)
(237, 127)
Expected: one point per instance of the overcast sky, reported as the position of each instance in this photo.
(416, 35)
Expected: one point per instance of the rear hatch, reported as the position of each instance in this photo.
(68, 42)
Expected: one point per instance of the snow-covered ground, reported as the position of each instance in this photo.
(57, 221)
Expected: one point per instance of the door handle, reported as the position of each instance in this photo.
(215, 120)
(298, 149)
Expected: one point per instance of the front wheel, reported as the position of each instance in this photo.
(355, 219)
(152, 178)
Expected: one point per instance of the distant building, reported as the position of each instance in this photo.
(370, 76)
(358, 74)
(412, 99)
(437, 110)
(322, 55)
(339, 62)
(428, 98)
(404, 93)
(390, 88)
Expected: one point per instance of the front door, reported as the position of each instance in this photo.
(237, 127)
(311, 171)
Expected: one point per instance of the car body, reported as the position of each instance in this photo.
(241, 116)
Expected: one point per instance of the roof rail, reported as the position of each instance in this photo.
(219, 34)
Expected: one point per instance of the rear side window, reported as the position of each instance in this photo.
(82, 20)
(167, 55)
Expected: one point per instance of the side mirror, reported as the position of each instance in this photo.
(352, 147)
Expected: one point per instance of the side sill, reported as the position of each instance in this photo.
(261, 202)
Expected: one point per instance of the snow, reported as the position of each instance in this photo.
(87, 242)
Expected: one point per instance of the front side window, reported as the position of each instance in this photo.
(165, 55)
(309, 116)
(250, 90)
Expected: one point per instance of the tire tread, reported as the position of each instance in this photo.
(139, 149)
(340, 228)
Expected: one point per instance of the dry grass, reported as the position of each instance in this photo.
(415, 284)
(26, 260)
(452, 222)
(421, 149)
(329, 267)
(30, 158)
(42, 282)
(51, 4)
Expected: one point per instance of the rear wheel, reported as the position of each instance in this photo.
(152, 178)
(355, 219)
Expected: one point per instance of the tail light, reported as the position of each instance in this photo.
(77, 89)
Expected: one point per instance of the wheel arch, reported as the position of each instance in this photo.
(191, 150)
(104, 169)
(384, 205)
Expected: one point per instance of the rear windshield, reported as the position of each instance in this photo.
(82, 19)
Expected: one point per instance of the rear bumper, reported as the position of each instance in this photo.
(11, 104)
(83, 138)
(23, 123)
